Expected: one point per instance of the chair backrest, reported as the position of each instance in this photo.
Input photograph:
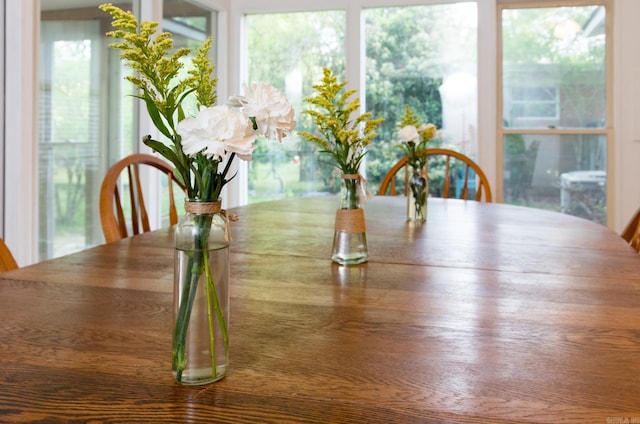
(112, 214)
(461, 181)
(631, 233)
(7, 261)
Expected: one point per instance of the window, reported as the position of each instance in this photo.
(431, 68)
(554, 91)
(288, 51)
(554, 107)
(88, 116)
(78, 127)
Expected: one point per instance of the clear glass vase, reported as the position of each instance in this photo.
(350, 235)
(201, 295)
(417, 196)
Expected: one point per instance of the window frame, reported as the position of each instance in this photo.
(606, 130)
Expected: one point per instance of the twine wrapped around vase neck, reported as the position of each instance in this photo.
(192, 206)
(202, 207)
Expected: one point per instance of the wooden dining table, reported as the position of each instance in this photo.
(486, 313)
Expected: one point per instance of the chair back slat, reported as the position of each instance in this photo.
(120, 220)
(465, 187)
(135, 220)
(173, 213)
(445, 188)
(141, 211)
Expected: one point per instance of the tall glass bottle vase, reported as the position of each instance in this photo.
(201, 294)
(350, 234)
(417, 196)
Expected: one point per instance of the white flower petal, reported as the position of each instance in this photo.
(408, 133)
(273, 113)
(216, 131)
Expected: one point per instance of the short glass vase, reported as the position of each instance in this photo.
(350, 234)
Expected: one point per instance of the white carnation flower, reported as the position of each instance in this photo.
(408, 133)
(216, 130)
(272, 112)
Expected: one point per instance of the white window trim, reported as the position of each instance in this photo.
(20, 137)
(2, 105)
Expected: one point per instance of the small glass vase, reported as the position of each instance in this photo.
(201, 295)
(350, 235)
(417, 196)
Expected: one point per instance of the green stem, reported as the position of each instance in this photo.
(211, 291)
(220, 315)
(350, 195)
(184, 312)
(418, 186)
(212, 294)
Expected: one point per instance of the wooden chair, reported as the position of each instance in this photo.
(7, 261)
(389, 181)
(112, 215)
(631, 232)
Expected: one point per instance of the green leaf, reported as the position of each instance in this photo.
(154, 113)
(164, 150)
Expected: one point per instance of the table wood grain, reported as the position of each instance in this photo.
(486, 313)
